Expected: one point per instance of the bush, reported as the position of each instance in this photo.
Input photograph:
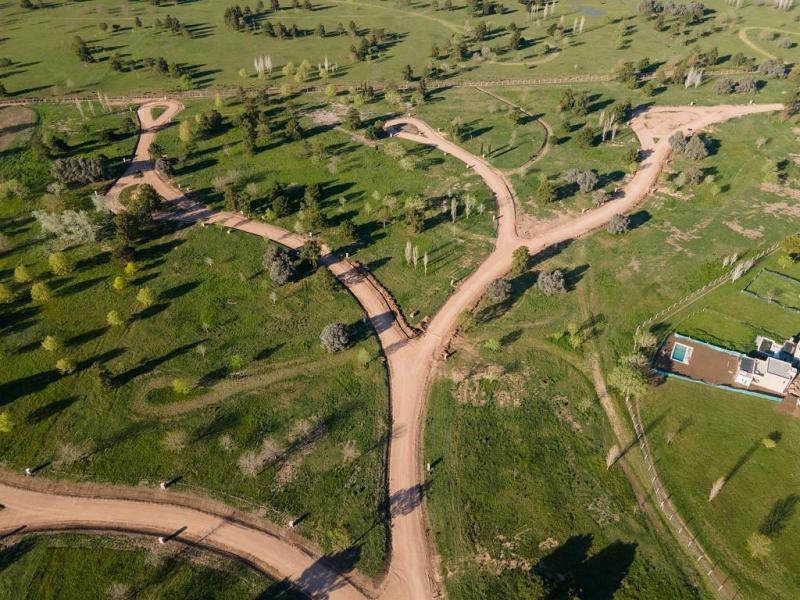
(551, 283)
(499, 290)
(618, 224)
(278, 264)
(40, 292)
(80, 169)
(146, 297)
(334, 337)
(6, 295)
(65, 366)
(586, 180)
(52, 343)
(181, 387)
(600, 197)
(696, 148)
(520, 260)
(22, 275)
(59, 264)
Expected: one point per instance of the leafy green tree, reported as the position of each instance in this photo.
(310, 252)
(65, 366)
(40, 292)
(520, 260)
(145, 297)
(52, 343)
(628, 381)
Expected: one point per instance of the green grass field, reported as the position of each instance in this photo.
(358, 182)
(773, 287)
(213, 54)
(521, 501)
(274, 424)
(75, 567)
(721, 433)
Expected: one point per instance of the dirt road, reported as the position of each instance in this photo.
(412, 572)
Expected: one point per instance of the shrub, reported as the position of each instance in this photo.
(520, 260)
(551, 283)
(80, 169)
(600, 197)
(618, 224)
(146, 297)
(492, 345)
(774, 69)
(278, 264)
(65, 366)
(499, 290)
(6, 295)
(114, 319)
(586, 180)
(334, 337)
(22, 275)
(182, 387)
(52, 343)
(696, 148)
(40, 292)
(60, 264)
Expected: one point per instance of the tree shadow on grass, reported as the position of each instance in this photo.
(571, 573)
(152, 363)
(11, 554)
(743, 460)
(48, 410)
(86, 336)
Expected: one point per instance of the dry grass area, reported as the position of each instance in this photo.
(16, 124)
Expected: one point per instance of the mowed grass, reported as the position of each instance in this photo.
(521, 502)
(356, 180)
(39, 41)
(75, 567)
(720, 434)
(277, 426)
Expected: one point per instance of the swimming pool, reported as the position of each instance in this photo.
(680, 352)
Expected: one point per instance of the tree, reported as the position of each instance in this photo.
(145, 297)
(695, 148)
(519, 261)
(628, 381)
(585, 137)
(22, 275)
(546, 191)
(499, 290)
(334, 337)
(408, 73)
(310, 252)
(52, 343)
(618, 224)
(677, 141)
(80, 169)
(70, 227)
(6, 294)
(551, 283)
(600, 197)
(791, 246)
(759, 545)
(59, 264)
(586, 180)
(6, 425)
(40, 292)
(114, 319)
(278, 264)
(65, 366)
(352, 119)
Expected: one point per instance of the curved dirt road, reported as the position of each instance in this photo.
(410, 361)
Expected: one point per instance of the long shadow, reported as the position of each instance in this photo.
(570, 572)
(11, 554)
(319, 580)
(648, 427)
(779, 515)
(179, 290)
(86, 336)
(743, 460)
(48, 410)
(23, 386)
(151, 364)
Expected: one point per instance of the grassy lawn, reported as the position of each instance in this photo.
(273, 424)
(521, 502)
(775, 287)
(76, 567)
(213, 54)
(357, 182)
(721, 433)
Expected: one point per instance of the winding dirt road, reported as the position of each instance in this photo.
(412, 573)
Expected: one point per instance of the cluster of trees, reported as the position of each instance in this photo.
(692, 147)
(578, 103)
(685, 13)
(160, 66)
(773, 69)
(240, 19)
(82, 50)
(172, 24)
(726, 85)
(80, 169)
(587, 180)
